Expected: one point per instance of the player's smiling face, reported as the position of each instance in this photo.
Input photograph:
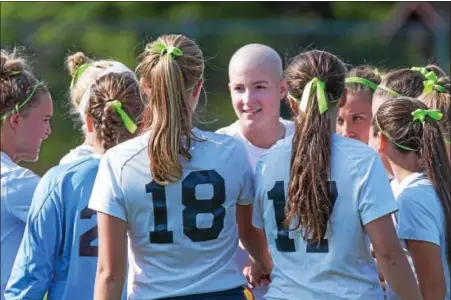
(256, 93)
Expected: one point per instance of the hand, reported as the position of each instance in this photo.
(256, 275)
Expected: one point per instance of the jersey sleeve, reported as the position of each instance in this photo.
(257, 215)
(32, 272)
(246, 196)
(376, 198)
(106, 196)
(20, 193)
(417, 219)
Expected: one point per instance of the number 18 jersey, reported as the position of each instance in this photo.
(341, 265)
(182, 237)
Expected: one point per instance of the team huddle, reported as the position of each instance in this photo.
(349, 200)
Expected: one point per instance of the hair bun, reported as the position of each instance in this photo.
(74, 61)
(11, 62)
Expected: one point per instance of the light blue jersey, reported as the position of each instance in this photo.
(341, 265)
(421, 218)
(59, 251)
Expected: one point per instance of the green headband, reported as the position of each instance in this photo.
(19, 106)
(163, 49)
(80, 70)
(431, 81)
(128, 122)
(390, 138)
(388, 90)
(363, 81)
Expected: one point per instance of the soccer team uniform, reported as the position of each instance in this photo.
(59, 250)
(341, 265)
(254, 153)
(79, 152)
(182, 237)
(421, 218)
(17, 187)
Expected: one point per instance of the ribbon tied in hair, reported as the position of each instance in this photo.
(363, 81)
(163, 49)
(421, 114)
(320, 87)
(77, 74)
(128, 122)
(431, 81)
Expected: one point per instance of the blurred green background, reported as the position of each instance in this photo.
(386, 34)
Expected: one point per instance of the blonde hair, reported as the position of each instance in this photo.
(84, 80)
(168, 81)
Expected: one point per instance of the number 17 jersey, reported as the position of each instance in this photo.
(182, 237)
(341, 265)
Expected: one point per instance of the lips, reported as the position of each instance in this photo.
(251, 111)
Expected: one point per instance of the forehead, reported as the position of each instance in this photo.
(243, 74)
(45, 106)
(357, 102)
(377, 102)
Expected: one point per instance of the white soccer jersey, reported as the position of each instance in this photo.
(253, 152)
(77, 153)
(17, 187)
(421, 217)
(341, 266)
(183, 237)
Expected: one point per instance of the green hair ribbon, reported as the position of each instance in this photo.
(80, 70)
(431, 81)
(19, 106)
(391, 139)
(363, 81)
(421, 114)
(163, 49)
(128, 122)
(320, 87)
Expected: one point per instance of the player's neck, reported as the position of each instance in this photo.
(404, 167)
(264, 137)
(8, 148)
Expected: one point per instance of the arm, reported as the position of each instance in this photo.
(391, 258)
(429, 268)
(32, 272)
(112, 262)
(253, 239)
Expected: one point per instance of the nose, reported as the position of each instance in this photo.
(248, 98)
(48, 132)
(347, 132)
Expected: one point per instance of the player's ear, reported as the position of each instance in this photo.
(293, 106)
(283, 89)
(14, 121)
(381, 143)
(89, 123)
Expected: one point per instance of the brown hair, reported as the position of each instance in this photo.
(309, 197)
(440, 100)
(405, 82)
(107, 122)
(168, 81)
(17, 83)
(395, 119)
(366, 72)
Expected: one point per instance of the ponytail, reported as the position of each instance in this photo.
(170, 68)
(309, 196)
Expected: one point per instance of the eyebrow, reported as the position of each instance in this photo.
(260, 81)
(359, 113)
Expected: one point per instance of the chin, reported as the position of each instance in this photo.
(30, 157)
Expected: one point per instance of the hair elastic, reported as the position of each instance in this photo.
(128, 122)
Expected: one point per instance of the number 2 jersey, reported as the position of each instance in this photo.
(58, 253)
(183, 237)
(341, 265)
